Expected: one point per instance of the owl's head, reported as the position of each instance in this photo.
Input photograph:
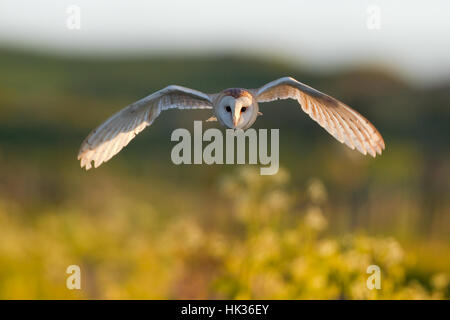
(237, 109)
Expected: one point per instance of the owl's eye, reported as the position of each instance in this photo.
(243, 109)
(228, 108)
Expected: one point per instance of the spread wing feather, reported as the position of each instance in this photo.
(115, 133)
(341, 121)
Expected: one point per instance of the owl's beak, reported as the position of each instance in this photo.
(235, 120)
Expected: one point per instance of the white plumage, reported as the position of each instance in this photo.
(234, 108)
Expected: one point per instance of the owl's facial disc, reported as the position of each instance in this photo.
(236, 113)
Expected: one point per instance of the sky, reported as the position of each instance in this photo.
(412, 37)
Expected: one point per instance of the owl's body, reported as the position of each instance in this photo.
(235, 108)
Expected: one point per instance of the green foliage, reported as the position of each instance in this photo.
(293, 259)
(275, 248)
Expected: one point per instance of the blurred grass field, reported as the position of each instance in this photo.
(142, 227)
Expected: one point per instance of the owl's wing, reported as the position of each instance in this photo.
(115, 133)
(341, 121)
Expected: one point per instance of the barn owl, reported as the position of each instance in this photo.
(234, 108)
